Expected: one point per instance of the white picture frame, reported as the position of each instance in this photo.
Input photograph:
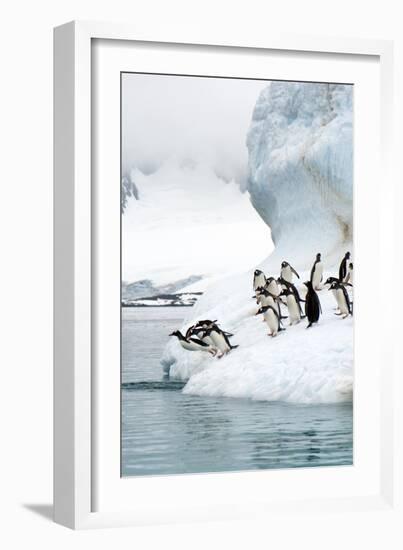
(80, 431)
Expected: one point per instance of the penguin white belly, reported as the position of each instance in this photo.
(259, 281)
(341, 302)
(208, 340)
(293, 310)
(317, 276)
(286, 274)
(219, 342)
(271, 321)
(273, 288)
(266, 301)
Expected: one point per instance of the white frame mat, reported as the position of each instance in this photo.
(88, 491)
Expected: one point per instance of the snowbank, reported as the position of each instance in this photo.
(300, 182)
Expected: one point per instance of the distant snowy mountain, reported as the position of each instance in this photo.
(164, 300)
(146, 288)
(300, 182)
(189, 229)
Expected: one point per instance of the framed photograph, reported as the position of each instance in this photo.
(223, 222)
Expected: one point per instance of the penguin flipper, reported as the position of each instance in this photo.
(295, 273)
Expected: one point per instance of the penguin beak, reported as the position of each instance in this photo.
(172, 334)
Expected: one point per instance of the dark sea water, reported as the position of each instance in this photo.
(167, 432)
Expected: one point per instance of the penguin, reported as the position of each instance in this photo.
(289, 286)
(317, 273)
(343, 301)
(350, 274)
(287, 272)
(193, 344)
(272, 319)
(272, 286)
(259, 279)
(266, 298)
(200, 325)
(329, 281)
(219, 339)
(312, 305)
(294, 307)
(343, 267)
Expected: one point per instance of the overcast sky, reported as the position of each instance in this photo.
(205, 119)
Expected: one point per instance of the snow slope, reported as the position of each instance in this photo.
(300, 182)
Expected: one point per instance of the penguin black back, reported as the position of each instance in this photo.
(343, 267)
(312, 305)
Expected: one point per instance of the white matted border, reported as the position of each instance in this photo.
(88, 488)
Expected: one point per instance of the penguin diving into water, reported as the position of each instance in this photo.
(317, 273)
(342, 298)
(343, 267)
(312, 305)
(219, 339)
(193, 344)
(272, 319)
(287, 272)
(259, 279)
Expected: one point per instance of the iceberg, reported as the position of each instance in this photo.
(300, 181)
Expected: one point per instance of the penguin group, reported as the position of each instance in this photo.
(272, 293)
(206, 336)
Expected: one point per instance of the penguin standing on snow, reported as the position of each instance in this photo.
(266, 298)
(259, 279)
(317, 273)
(272, 319)
(287, 272)
(289, 286)
(343, 267)
(343, 301)
(312, 305)
(294, 307)
(193, 344)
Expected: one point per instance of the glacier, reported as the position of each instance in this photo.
(300, 182)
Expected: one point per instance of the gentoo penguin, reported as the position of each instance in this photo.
(272, 286)
(200, 325)
(329, 281)
(272, 319)
(312, 305)
(343, 301)
(287, 271)
(350, 274)
(219, 339)
(343, 267)
(294, 307)
(317, 273)
(258, 279)
(266, 298)
(289, 286)
(193, 344)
